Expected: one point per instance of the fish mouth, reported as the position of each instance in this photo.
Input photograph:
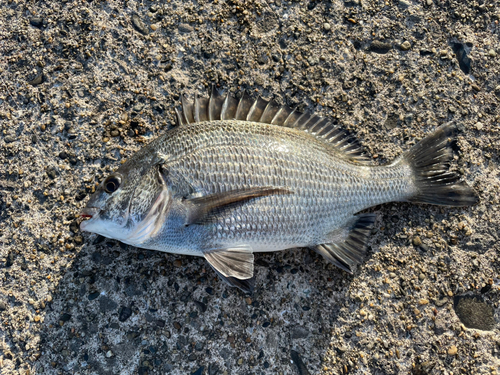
(90, 212)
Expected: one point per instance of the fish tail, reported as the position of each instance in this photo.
(434, 182)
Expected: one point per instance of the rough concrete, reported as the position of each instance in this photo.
(83, 84)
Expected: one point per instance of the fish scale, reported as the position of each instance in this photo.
(312, 173)
(222, 187)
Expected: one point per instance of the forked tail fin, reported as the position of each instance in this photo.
(434, 182)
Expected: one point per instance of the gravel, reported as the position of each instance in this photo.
(86, 84)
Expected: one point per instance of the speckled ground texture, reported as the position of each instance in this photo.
(84, 84)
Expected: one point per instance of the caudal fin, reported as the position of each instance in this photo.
(435, 183)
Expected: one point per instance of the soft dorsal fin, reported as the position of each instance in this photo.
(218, 107)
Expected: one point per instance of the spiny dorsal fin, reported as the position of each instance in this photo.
(218, 107)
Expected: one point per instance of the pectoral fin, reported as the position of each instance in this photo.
(234, 265)
(198, 209)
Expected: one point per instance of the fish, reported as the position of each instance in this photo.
(236, 176)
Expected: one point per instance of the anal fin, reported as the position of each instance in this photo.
(349, 243)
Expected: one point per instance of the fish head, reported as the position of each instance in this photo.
(129, 205)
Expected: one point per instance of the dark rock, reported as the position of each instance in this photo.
(93, 296)
(51, 172)
(298, 362)
(380, 47)
(473, 312)
(193, 357)
(201, 306)
(65, 317)
(36, 21)
(124, 313)
(213, 369)
(37, 80)
(199, 371)
(139, 25)
(425, 52)
(209, 291)
(3, 306)
(10, 260)
(63, 155)
(106, 304)
(299, 332)
(461, 54)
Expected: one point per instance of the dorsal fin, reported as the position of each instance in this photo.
(219, 107)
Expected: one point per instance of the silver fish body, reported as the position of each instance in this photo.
(224, 188)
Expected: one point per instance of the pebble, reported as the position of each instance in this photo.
(423, 301)
(36, 21)
(51, 172)
(9, 139)
(124, 313)
(327, 26)
(37, 80)
(405, 46)
(380, 47)
(452, 350)
(109, 354)
(492, 53)
(184, 28)
(178, 263)
(417, 241)
(429, 2)
(139, 25)
(3, 306)
(479, 126)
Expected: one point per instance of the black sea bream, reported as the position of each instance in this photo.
(238, 176)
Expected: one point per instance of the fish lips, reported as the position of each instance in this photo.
(90, 213)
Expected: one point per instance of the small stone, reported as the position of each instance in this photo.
(139, 25)
(423, 301)
(36, 21)
(492, 53)
(37, 80)
(115, 133)
(405, 46)
(109, 354)
(479, 126)
(429, 2)
(417, 241)
(452, 350)
(380, 47)
(327, 26)
(362, 312)
(9, 139)
(178, 263)
(240, 361)
(51, 172)
(184, 28)
(3, 306)
(404, 4)
(177, 326)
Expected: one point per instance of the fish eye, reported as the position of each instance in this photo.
(112, 183)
